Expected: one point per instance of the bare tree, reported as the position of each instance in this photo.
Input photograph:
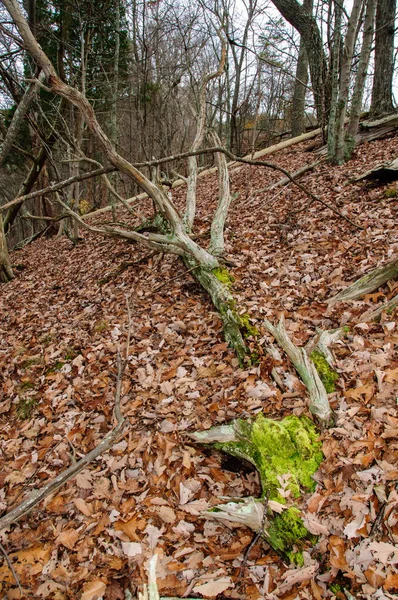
(173, 236)
(300, 84)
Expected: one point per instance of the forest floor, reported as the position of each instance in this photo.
(60, 329)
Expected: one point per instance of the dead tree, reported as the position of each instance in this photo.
(173, 236)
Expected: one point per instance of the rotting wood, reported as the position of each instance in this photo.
(375, 315)
(383, 172)
(368, 283)
(318, 399)
(322, 342)
(368, 131)
(371, 124)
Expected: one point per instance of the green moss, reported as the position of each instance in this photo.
(287, 531)
(27, 385)
(246, 327)
(57, 367)
(35, 360)
(25, 407)
(286, 454)
(391, 192)
(278, 448)
(224, 276)
(101, 326)
(70, 353)
(325, 372)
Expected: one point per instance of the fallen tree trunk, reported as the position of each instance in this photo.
(384, 172)
(375, 315)
(368, 283)
(286, 455)
(370, 130)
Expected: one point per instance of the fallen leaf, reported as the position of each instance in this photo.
(214, 587)
(93, 590)
(131, 548)
(68, 538)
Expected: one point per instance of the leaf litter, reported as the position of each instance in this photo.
(60, 331)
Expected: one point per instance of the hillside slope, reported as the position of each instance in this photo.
(62, 321)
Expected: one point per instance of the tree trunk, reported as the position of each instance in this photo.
(6, 273)
(218, 223)
(356, 102)
(345, 76)
(300, 85)
(382, 96)
(307, 27)
(334, 79)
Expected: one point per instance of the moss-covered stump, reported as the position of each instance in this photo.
(286, 455)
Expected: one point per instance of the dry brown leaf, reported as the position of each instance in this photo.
(167, 514)
(214, 587)
(82, 505)
(68, 538)
(93, 590)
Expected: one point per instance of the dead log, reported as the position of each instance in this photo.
(370, 130)
(318, 403)
(384, 173)
(368, 283)
(375, 315)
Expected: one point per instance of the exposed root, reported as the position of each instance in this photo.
(318, 403)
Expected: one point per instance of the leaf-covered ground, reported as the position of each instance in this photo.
(61, 326)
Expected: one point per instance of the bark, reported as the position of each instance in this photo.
(382, 95)
(307, 27)
(356, 102)
(334, 79)
(18, 118)
(226, 305)
(224, 200)
(300, 84)
(6, 273)
(345, 76)
(368, 283)
(319, 403)
(384, 172)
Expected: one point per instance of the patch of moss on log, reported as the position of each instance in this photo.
(278, 448)
(327, 375)
(286, 454)
(247, 328)
(224, 276)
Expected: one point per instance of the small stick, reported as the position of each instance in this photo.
(10, 565)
